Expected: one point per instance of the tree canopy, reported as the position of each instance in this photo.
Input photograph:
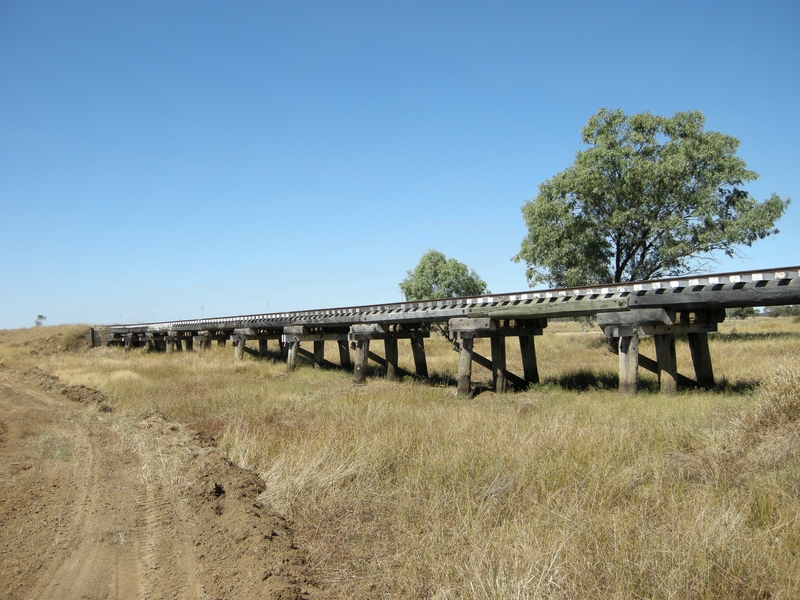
(652, 196)
(436, 276)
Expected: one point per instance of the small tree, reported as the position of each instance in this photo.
(39, 321)
(741, 313)
(650, 197)
(792, 310)
(436, 276)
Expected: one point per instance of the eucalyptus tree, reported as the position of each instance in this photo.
(651, 196)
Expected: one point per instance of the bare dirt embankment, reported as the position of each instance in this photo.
(97, 505)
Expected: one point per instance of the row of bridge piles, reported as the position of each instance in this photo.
(357, 337)
(623, 331)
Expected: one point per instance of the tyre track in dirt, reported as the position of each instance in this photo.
(95, 505)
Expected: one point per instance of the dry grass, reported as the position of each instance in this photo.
(405, 490)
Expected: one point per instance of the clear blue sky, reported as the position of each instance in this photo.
(160, 157)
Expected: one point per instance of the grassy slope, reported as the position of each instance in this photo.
(406, 490)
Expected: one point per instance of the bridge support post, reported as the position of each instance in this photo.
(344, 354)
(667, 363)
(203, 341)
(319, 353)
(129, 341)
(463, 329)
(188, 344)
(238, 348)
(465, 366)
(390, 349)
(221, 343)
(262, 348)
(527, 349)
(292, 347)
(170, 344)
(663, 324)
(499, 363)
(629, 364)
(360, 367)
(420, 362)
(701, 358)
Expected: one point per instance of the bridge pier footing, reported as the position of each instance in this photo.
(420, 361)
(623, 330)
(344, 354)
(361, 348)
(497, 330)
(701, 359)
(390, 334)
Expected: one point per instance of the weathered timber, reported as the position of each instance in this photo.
(292, 347)
(701, 359)
(735, 295)
(473, 327)
(221, 343)
(484, 362)
(498, 344)
(344, 354)
(530, 369)
(667, 363)
(262, 348)
(319, 354)
(390, 350)
(638, 316)
(629, 364)
(376, 358)
(418, 350)
(554, 307)
(360, 366)
(465, 367)
(326, 364)
(202, 341)
(651, 365)
(239, 345)
(188, 344)
(371, 331)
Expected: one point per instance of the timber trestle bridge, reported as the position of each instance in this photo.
(690, 305)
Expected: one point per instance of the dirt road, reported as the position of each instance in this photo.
(97, 505)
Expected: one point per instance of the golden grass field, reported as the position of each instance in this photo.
(567, 490)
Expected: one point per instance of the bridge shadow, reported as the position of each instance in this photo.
(583, 380)
(723, 386)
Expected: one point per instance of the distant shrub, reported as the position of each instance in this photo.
(783, 311)
(741, 313)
